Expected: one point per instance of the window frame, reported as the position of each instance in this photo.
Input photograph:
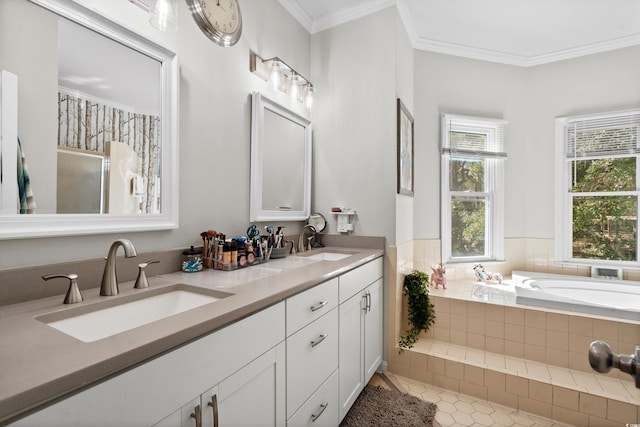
(494, 159)
(564, 196)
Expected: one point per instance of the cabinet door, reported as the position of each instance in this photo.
(351, 354)
(373, 329)
(253, 396)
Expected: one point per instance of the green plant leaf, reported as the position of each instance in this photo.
(421, 313)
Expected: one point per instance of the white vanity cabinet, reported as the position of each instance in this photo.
(360, 313)
(243, 364)
(253, 396)
(312, 356)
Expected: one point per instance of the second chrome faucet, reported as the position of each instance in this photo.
(109, 286)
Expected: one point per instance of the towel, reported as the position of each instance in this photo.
(27, 202)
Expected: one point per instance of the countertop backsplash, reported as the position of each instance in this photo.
(25, 284)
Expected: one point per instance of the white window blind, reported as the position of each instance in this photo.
(610, 134)
(473, 136)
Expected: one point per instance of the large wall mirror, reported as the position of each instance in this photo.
(97, 121)
(280, 162)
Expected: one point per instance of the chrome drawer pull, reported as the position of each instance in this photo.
(314, 417)
(319, 306)
(322, 337)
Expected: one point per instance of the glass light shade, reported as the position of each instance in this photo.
(308, 96)
(295, 87)
(164, 15)
(275, 75)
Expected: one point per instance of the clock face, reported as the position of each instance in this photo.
(220, 20)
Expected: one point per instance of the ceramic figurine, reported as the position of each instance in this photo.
(485, 276)
(438, 277)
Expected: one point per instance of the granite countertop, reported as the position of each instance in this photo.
(41, 364)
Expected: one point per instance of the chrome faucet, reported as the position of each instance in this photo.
(304, 240)
(109, 285)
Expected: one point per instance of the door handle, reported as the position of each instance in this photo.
(214, 408)
(197, 414)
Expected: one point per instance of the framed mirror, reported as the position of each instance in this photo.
(98, 116)
(280, 162)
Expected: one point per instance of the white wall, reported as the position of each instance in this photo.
(358, 71)
(353, 67)
(530, 99)
(404, 60)
(215, 113)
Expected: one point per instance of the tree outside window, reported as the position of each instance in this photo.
(473, 188)
(599, 182)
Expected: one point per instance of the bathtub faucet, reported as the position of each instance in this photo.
(602, 359)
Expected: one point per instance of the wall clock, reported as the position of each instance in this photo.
(220, 20)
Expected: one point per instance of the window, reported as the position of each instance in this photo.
(597, 188)
(473, 154)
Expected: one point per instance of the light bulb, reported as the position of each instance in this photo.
(275, 75)
(164, 15)
(308, 96)
(294, 87)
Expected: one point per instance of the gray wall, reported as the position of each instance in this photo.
(215, 113)
(530, 99)
(358, 71)
(353, 66)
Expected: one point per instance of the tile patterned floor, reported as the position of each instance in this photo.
(455, 409)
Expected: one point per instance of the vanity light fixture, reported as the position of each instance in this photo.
(163, 13)
(282, 77)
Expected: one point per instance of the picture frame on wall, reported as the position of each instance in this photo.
(405, 150)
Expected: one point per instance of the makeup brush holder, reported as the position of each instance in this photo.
(278, 253)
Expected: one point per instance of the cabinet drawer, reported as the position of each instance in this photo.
(322, 407)
(358, 279)
(309, 305)
(311, 358)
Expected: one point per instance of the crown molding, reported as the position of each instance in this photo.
(521, 60)
(334, 19)
(298, 13)
(344, 16)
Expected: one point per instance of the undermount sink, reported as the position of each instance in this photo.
(104, 319)
(329, 256)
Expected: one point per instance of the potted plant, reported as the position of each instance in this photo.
(421, 312)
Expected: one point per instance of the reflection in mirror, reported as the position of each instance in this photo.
(119, 109)
(116, 112)
(80, 182)
(280, 162)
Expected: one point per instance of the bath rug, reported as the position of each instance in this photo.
(377, 406)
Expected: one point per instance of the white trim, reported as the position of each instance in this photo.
(343, 16)
(563, 217)
(8, 142)
(334, 19)
(521, 60)
(298, 13)
(494, 191)
(46, 225)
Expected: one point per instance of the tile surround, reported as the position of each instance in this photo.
(528, 359)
